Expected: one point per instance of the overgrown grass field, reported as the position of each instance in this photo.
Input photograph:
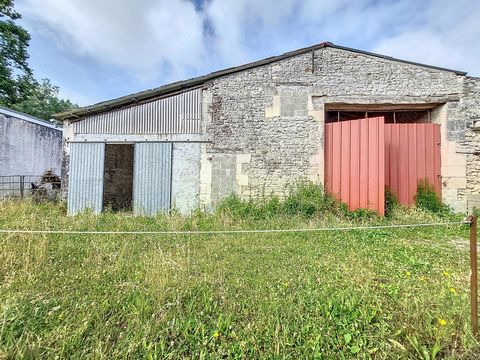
(390, 293)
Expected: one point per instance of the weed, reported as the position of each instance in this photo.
(360, 214)
(304, 199)
(358, 294)
(391, 202)
(427, 199)
(476, 212)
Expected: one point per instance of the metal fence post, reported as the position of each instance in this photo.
(22, 185)
(473, 274)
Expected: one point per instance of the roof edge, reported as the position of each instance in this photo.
(184, 85)
(29, 118)
(391, 58)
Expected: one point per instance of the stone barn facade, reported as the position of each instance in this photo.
(256, 128)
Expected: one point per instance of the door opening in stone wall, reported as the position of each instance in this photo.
(118, 177)
(402, 116)
(365, 156)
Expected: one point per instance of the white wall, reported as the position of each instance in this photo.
(185, 176)
(27, 148)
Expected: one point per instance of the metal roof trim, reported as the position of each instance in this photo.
(29, 118)
(179, 86)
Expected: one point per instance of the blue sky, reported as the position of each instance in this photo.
(101, 49)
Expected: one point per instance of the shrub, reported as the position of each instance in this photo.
(476, 212)
(427, 199)
(304, 199)
(391, 202)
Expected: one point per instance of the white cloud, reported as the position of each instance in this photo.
(447, 34)
(80, 99)
(134, 35)
(165, 40)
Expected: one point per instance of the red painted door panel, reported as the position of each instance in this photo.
(412, 153)
(355, 164)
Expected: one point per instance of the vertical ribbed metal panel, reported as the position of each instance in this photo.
(85, 182)
(152, 181)
(412, 154)
(177, 114)
(355, 163)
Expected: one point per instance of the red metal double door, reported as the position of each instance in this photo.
(364, 156)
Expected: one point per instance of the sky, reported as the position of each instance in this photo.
(96, 50)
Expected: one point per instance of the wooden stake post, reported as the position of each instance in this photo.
(473, 274)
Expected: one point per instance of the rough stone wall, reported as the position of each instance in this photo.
(27, 148)
(118, 176)
(262, 128)
(470, 107)
(272, 117)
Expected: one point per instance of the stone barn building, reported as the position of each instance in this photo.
(28, 148)
(352, 120)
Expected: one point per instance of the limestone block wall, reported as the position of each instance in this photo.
(263, 128)
(266, 123)
(470, 106)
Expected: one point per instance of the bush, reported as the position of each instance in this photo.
(391, 202)
(427, 199)
(476, 212)
(307, 199)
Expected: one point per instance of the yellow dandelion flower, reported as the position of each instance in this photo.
(445, 273)
(408, 273)
(442, 322)
(452, 290)
(216, 334)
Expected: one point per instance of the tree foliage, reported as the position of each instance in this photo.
(18, 88)
(43, 101)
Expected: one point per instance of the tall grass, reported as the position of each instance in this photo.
(304, 199)
(399, 293)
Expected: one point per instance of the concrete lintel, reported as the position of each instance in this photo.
(362, 103)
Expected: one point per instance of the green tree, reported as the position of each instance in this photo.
(15, 74)
(42, 101)
(18, 88)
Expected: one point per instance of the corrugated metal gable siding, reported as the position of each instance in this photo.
(178, 114)
(85, 188)
(152, 178)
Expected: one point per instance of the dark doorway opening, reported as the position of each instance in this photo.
(390, 117)
(118, 177)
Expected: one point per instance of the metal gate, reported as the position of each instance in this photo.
(85, 182)
(412, 153)
(363, 156)
(355, 164)
(152, 178)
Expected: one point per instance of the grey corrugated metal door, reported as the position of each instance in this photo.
(152, 179)
(85, 184)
